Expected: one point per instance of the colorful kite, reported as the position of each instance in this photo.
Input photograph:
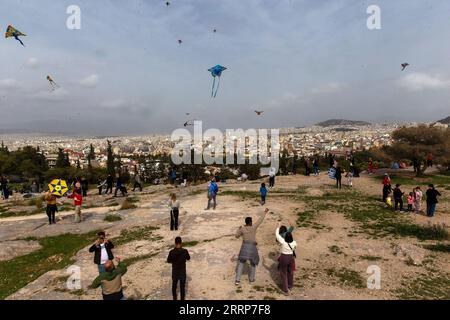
(12, 32)
(216, 72)
(58, 187)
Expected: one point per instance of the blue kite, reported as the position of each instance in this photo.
(216, 72)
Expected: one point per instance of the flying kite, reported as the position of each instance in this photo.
(52, 83)
(167, 3)
(12, 32)
(215, 30)
(216, 72)
(180, 41)
(189, 123)
(404, 65)
(259, 112)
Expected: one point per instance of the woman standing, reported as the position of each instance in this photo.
(417, 199)
(174, 206)
(51, 207)
(286, 260)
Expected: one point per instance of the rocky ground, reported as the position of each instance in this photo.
(336, 245)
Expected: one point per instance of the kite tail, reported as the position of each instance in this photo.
(217, 89)
(17, 38)
(212, 90)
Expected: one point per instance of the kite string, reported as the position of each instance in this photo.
(212, 90)
(217, 89)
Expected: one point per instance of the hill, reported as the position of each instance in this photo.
(445, 121)
(341, 122)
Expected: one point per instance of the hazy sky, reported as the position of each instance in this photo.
(300, 61)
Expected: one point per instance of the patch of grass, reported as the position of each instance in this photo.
(347, 277)
(371, 258)
(429, 232)
(269, 298)
(136, 233)
(258, 288)
(190, 244)
(432, 286)
(56, 253)
(112, 204)
(112, 218)
(127, 205)
(439, 247)
(244, 195)
(335, 249)
(128, 262)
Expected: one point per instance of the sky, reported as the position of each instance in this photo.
(301, 61)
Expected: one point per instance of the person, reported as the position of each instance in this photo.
(398, 198)
(338, 177)
(284, 230)
(286, 259)
(173, 176)
(415, 164)
(178, 257)
(34, 187)
(119, 186)
(174, 206)
(432, 200)
(100, 184)
(410, 201)
(263, 191)
(387, 189)
(418, 199)
(137, 182)
(331, 159)
(102, 251)
(349, 176)
(271, 178)
(429, 160)
(316, 167)
(52, 208)
(249, 250)
(307, 169)
(84, 186)
(4, 187)
(370, 166)
(77, 202)
(109, 184)
(213, 189)
(111, 280)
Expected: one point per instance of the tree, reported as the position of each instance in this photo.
(411, 143)
(91, 156)
(110, 159)
(63, 159)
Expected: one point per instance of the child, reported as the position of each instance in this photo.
(410, 201)
(417, 199)
(263, 191)
(77, 202)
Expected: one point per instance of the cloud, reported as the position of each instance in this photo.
(9, 84)
(90, 82)
(422, 81)
(331, 87)
(113, 104)
(32, 63)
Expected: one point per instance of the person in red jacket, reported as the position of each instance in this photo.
(77, 202)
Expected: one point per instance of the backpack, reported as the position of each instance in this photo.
(332, 173)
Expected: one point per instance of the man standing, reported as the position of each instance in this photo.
(271, 178)
(109, 184)
(432, 200)
(178, 257)
(398, 197)
(213, 189)
(137, 182)
(119, 186)
(111, 280)
(102, 251)
(248, 251)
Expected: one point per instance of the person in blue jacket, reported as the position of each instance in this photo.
(263, 191)
(213, 189)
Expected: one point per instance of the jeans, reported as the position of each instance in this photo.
(431, 208)
(240, 268)
(212, 197)
(101, 268)
(182, 279)
(398, 203)
(339, 183)
(316, 170)
(263, 200)
(77, 214)
(271, 182)
(174, 219)
(51, 210)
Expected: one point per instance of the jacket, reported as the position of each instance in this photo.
(98, 251)
(111, 282)
(77, 199)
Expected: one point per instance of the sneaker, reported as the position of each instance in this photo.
(286, 293)
(237, 283)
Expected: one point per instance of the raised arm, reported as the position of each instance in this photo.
(261, 219)
(280, 239)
